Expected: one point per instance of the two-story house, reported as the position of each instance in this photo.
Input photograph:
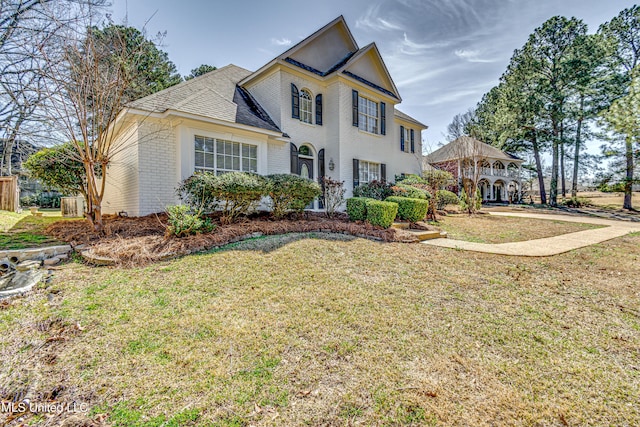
(496, 173)
(325, 107)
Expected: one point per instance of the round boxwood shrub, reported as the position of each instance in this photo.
(381, 213)
(444, 198)
(378, 190)
(412, 210)
(357, 208)
(290, 193)
(403, 190)
(236, 193)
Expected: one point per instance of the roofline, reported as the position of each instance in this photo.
(409, 120)
(363, 52)
(171, 112)
(297, 46)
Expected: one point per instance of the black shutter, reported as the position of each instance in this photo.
(354, 101)
(413, 145)
(295, 102)
(401, 138)
(320, 176)
(383, 118)
(319, 109)
(294, 158)
(356, 173)
(383, 172)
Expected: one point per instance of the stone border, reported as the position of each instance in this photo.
(12, 257)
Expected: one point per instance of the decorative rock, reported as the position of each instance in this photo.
(21, 282)
(28, 265)
(51, 261)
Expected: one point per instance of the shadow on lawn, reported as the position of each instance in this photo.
(266, 244)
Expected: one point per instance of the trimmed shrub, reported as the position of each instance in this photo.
(357, 208)
(196, 191)
(236, 193)
(378, 190)
(381, 213)
(412, 210)
(402, 190)
(290, 193)
(444, 198)
(183, 223)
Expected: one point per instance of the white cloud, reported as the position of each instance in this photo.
(281, 42)
(371, 21)
(472, 56)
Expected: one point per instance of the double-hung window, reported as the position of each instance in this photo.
(368, 172)
(306, 112)
(220, 156)
(367, 115)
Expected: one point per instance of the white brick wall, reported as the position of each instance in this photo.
(121, 187)
(158, 166)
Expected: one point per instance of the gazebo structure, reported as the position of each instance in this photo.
(497, 173)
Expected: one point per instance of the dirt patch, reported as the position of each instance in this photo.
(140, 241)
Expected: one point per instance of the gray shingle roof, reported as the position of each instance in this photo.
(213, 95)
(466, 146)
(399, 114)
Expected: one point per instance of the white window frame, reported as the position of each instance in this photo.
(246, 155)
(368, 115)
(368, 171)
(306, 106)
(407, 140)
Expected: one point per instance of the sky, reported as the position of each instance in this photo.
(443, 55)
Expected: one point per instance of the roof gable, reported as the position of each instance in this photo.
(367, 66)
(214, 95)
(325, 48)
(466, 146)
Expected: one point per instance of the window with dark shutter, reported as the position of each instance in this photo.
(295, 102)
(294, 158)
(383, 172)
(319, 109)
(413, 145)
(401, 138)
(383, 118)
(354, 101)
(321, 175)
(356, 173)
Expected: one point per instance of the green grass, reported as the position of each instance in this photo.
(24, 230)
(333, 330)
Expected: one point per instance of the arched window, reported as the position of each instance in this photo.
(305, 106)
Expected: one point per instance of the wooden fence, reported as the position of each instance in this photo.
(9, 193)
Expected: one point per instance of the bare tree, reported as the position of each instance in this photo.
(459, 125)
(471, 154)
(88, 77)
(26, 27)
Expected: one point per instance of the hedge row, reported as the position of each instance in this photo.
(238, 193)
(383, 213)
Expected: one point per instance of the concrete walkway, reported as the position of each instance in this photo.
(550, 245)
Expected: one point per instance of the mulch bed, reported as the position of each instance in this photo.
(143, 240)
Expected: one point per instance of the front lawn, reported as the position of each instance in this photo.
(24, 230)
(333, 330)
(501, 229)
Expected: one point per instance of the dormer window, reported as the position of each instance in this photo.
(306, 112)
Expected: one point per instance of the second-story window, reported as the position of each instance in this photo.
(306, 112)
(367, 115)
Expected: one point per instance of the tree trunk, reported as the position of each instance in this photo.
(628, 182)
(576, 152)
(553, 196)
(6, 157)
(536, 155)
(562, 157)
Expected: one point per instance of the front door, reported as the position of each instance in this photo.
(305, 167)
